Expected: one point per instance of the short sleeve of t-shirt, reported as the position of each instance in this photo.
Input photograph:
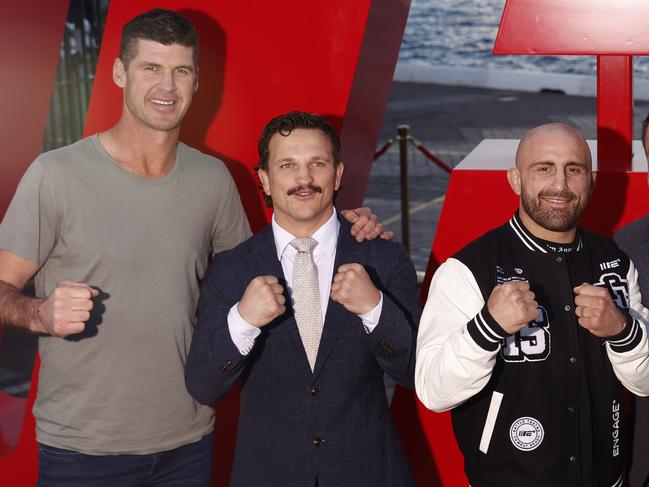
(231, 225)
(29, 225)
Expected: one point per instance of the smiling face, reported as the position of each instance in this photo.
(554, 180)
(158, 84)
(301, 178)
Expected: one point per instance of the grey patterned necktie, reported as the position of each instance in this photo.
(306, 297)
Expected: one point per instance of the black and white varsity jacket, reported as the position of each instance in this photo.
(545, 406)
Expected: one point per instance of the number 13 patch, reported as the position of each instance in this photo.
(531, 343)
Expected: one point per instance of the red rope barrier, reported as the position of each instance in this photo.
(420, 147)
(383, 149)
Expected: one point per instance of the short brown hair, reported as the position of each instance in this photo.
(160, 25)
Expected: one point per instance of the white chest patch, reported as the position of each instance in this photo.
(526, 433)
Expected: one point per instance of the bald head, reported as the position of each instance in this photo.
(554, 180)
(566, 138)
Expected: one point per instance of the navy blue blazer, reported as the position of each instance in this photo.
(295, 426)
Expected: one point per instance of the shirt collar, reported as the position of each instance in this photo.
(326, 236)
(536, 244)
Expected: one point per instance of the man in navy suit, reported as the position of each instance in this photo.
(313, 404)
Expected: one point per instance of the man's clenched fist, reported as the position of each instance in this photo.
(262, 301)
(512, 305)
(597, 312)
(65, 311)
(353, 288)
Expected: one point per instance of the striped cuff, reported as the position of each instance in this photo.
(628, 338)
(486, 331)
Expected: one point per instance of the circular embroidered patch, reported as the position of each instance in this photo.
(526, 433)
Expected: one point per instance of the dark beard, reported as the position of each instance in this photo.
(553, 219)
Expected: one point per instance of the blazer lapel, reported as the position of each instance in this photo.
(270, 265)
(347, 250)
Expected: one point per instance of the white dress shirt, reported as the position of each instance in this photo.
(324, 255)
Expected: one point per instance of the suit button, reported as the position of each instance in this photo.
(314, 391)
(226, 366)
(573, 360)
(387, 349)
(572, 459)
(571, 409)
(317, 442)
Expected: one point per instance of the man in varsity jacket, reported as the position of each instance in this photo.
(532, 332)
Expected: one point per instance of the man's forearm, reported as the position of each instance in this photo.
(18, 310)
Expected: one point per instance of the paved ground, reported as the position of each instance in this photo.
(451, 121)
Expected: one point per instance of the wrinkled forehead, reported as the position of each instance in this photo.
(554, 145)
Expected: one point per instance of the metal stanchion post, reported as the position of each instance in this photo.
(404, 133)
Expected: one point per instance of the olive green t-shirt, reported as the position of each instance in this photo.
(119, 387)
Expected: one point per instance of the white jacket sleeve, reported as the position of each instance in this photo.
(629, 350)
(457, 342)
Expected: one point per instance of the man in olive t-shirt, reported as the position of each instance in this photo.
(116, 231)
(141, 243)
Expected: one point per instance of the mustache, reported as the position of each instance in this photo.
(565, 194)
(308, 187)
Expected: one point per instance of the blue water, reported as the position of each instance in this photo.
(461, 33)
